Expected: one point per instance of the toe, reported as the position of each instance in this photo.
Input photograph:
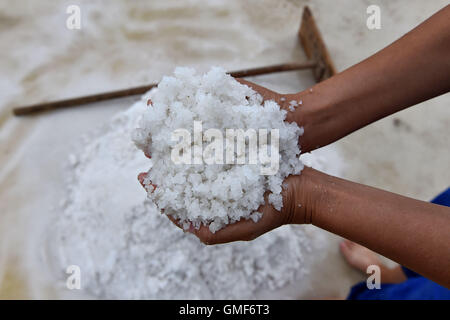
(141, 177)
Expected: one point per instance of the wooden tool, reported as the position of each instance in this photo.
(319, 62)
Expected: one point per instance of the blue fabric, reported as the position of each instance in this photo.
(415, 287)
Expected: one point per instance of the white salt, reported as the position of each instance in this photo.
(212, 194)
(292, 105)
(126, 249)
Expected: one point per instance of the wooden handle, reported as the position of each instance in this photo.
(53, 105)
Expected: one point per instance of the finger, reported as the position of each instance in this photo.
(175, 221)
(345, 247)
(349, 244)
(179, 225)
(266, 93)
(207, 237)
(260, 89)
(243, 230)
(237, 231)
(240, 230)
(141, 177)
(252, 85)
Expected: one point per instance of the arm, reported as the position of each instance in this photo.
(414, 233)
(411, 70)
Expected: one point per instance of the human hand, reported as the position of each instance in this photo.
(302, 113)
(293, 211)
(283, 100)
(298, 205)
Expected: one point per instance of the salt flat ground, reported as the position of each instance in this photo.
(123, 44)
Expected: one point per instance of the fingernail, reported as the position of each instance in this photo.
(141, 177)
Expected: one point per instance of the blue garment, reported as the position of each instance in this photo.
(416, 287)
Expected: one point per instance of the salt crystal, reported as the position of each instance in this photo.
(73, 161)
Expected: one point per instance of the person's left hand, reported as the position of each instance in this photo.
(246, 230)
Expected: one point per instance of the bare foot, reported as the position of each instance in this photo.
(357, 256)
(360, 257)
